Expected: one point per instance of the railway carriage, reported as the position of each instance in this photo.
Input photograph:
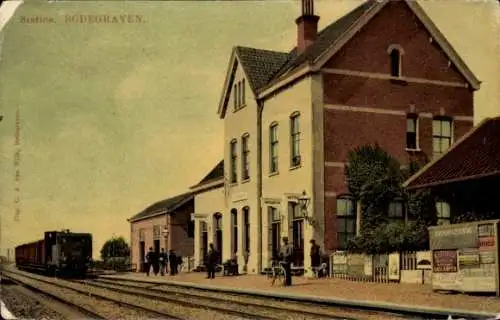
(61, 253)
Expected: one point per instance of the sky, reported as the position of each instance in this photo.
(114, 117)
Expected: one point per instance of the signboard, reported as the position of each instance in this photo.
(444, 261)
(453, 237)
(394, 266)
(339, 263)
(424, 260)
(356, 265)
(468, 258)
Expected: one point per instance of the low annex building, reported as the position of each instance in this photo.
(466, 179)
(166, 224)
(383, 73)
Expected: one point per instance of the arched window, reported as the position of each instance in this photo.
(396, 52)
(245, 161)
(234, 159)
(346, 221)
(295, 140)
(273, 148)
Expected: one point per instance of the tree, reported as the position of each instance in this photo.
(374, 178)
(115, 247)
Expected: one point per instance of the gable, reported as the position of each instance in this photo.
(256, 66)
(406, 12)
(396, 25)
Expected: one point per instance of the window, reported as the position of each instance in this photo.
(234, 159)
(274, 232)
(441, 135)
(346, 221)
(295, 140)
(395, 63)
(246, 222)
(396, 211)
(297, 233)
(245, 166)
(239, 94)
(234, 218)
(443, 212)
(412, 132)
(273, 148)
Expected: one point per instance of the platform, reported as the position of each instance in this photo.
(330, 290)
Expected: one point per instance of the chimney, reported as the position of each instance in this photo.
(307, 26)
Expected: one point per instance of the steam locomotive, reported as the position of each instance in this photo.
(59, 253)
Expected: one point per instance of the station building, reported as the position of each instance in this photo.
(165, 224)
(383, 73)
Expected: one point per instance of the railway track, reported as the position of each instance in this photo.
(91, 303)
(242, 307)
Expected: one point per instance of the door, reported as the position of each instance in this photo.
(204, 244)
(298, 242)
(142, 253)
(276, 233)
(218, 236)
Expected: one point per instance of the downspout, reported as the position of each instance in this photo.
(260, 107)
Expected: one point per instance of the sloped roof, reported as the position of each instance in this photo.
(475, 155)
(215, 174)
(265, 68)
(260, 65)
(325, 39)
(163, 206)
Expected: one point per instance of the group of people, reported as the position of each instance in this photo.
(286, 257)
(160, 261)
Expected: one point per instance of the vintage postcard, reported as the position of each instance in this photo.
(285, 159)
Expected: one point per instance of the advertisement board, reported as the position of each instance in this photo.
(444, 261)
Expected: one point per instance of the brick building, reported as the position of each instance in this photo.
(166, 224)
(382, 74)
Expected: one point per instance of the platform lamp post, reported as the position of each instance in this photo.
(304, 201)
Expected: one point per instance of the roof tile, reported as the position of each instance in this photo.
(477, 155)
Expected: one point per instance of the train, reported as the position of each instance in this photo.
(59, 253)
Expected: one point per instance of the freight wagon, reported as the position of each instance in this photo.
(60, 253)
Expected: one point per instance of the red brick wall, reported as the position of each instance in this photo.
(395, 24)
(180, 242)
(367, 52)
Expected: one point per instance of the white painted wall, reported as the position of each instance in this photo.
(243, 193)
(288, 181)
(206, 204)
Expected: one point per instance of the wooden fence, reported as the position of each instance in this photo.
(381, 268)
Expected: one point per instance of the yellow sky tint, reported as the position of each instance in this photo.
(114, 118)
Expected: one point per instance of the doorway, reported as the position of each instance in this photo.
(204, 240)
(142, 253)
(218, 235)
(157, 246)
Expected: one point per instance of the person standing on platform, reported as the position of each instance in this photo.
(148, 260)
(173, 262)
(211, 262)
(163, 258)
(315, 257)
(286, 255)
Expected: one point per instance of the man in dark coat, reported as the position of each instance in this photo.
(315, 256)
(286, 255)
(163, 258)
(211, 261)
(172, 259)
(148, 261)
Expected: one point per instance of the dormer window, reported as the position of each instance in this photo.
(395, 52)
(239, 94)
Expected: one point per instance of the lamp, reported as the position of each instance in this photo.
(304, 201)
